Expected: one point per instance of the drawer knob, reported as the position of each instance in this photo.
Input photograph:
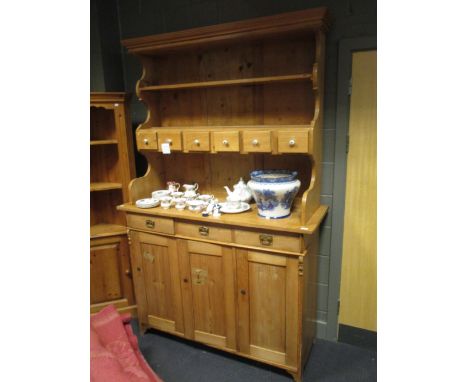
(243, 292)
(149, 223)
(145, 141)
(255, 142)
(196, 142)
(169, 140)
(204, 231)
(292, 143)
(225, 142)
(266, 239)
(128, 273)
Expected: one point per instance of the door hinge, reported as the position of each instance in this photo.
(347, 144)
(338, 307)
(350, 86)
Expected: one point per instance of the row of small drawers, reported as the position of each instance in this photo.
(282, 141)
(254, 238)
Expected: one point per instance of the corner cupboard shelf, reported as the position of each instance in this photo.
(112, 167)
(229, 99)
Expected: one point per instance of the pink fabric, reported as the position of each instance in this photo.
(115, 355)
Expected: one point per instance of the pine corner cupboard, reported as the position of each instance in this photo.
(112, 168)
(229, 99)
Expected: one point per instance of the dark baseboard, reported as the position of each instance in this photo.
(357, 337)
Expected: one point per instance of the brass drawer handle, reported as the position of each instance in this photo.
(204, 231)
(266, 239)
(149, 223)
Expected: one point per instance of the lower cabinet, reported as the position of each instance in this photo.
(240, 300)
(110, 274)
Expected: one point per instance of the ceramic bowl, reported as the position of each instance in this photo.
(195, 205)
(274, 192)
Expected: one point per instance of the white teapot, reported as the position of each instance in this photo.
(241, 192)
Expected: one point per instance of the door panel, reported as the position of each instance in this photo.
(161, 278)
(105, 273)
(208, 290)
(268, 306)
(358, 292)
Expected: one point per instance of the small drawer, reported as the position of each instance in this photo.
(293, 141)
(196, 140)
(265, 239)
(203, 231)
(151, 223)
(257, 141)
(171, 137)
(147, 139)
(226, 141)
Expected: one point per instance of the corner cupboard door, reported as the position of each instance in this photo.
(157, 282)
(110, 275)
(268, 296)
(208, 292)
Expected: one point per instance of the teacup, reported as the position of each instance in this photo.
(191, 194)
(166, 202)
(173, 186)
(179, 203)
(190, 187)
(177, 194)
(233, 203)
(158, 194)
(195, 205)
(205, 198)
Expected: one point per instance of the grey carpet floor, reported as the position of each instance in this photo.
(179, 360)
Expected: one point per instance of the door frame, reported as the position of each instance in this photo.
(346, 49)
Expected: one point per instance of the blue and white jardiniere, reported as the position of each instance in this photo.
(274, 192)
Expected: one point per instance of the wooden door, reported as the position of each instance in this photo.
(157, 282)
(268, 297)
(358, 293)
(110, 281)
(208, 290)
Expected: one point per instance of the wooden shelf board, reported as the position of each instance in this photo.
(242, 81)
(104, 230)
(248, 219)
(104, 142)
(102, 186)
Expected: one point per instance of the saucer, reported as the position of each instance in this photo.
(147, 203)
(228, 210)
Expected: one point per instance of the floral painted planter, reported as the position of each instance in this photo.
(274, 192)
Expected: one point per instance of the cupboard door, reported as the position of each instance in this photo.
(159, 281)
(110, 280)
(208, 291)
(268, 298)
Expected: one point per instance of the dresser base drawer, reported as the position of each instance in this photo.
(151, 223)
(269, 240)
